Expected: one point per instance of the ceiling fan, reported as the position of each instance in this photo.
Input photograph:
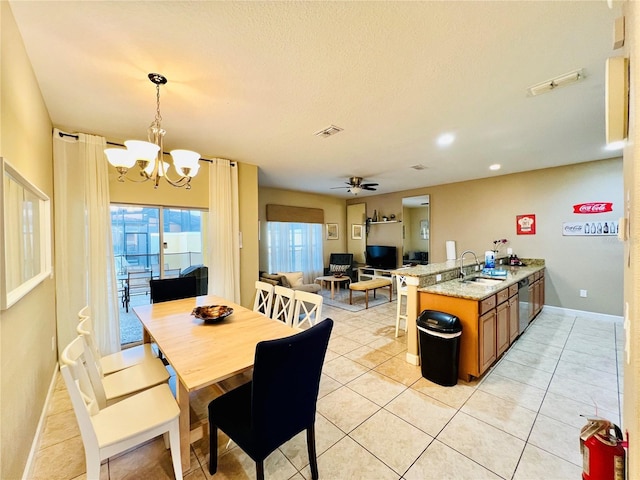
(355, 185)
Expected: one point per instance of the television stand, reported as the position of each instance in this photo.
(369, 273)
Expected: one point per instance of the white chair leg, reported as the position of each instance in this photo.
(400, 315)
(174, 440)
(93, 464)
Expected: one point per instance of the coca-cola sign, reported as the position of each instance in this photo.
(593, 207)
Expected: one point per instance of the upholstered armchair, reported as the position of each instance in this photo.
(338, 260)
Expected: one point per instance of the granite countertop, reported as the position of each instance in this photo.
(474, 291)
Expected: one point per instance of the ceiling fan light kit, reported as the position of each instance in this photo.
(355, 185)
(149, 155)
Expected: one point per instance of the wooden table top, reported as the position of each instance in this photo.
(203, 354)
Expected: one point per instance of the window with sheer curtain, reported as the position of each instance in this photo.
(295, 247)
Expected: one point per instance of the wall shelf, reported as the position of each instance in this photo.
(388, 221)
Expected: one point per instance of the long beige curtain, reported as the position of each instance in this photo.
(84, 264)
(224, 231)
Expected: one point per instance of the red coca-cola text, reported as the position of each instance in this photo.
(593, 207)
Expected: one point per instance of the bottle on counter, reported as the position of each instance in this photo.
(489, 259)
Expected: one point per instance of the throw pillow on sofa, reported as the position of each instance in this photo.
(294, 278)
(338, 269)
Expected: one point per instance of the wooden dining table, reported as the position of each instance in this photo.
(203, 354)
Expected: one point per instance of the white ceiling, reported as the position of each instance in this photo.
(253, 82)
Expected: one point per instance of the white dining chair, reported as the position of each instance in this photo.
(308, 308)
(111, 430)
(264, 298)
(283, 304)
(117, 361)
(84, 312)
(124, 383)
(402, 291)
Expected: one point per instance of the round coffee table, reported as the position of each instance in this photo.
(333, 281)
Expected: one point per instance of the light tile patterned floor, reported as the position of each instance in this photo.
(378, 418)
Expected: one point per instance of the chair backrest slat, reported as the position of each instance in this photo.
(85, 329)
(264, 298)
(308, 309)
(283, 304)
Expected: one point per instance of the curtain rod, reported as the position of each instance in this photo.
(62, 134)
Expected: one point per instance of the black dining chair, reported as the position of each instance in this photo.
(278, 403)
(168, 289)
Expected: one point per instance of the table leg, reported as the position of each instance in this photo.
(185, 425)
(332, 284)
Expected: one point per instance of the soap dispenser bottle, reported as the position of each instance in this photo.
(489, 259)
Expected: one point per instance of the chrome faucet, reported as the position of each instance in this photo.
(462, 274)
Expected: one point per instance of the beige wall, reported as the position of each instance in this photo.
(334, 212)
(249, 254)
(27, 359)
(356, 215)
(630, 404)
(477, 212)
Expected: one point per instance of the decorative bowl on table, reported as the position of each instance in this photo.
(212, 313)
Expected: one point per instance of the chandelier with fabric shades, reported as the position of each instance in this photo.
(149, 156)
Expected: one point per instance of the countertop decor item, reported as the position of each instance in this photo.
(149, 156)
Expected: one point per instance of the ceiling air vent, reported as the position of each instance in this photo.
(557, 82)
(418, 167)
(327, 132)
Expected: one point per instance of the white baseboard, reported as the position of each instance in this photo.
(583, 313)
(35, 445)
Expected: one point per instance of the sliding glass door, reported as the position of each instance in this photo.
(153, 242)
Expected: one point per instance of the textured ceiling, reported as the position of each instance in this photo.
(253, 82)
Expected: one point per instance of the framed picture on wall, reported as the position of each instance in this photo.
(332, 231)
(356, 232)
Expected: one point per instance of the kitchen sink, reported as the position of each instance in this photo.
(484, 281)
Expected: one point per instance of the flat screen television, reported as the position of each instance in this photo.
(379, 256)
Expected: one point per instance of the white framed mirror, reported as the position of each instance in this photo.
(415, 230)
(25, 253)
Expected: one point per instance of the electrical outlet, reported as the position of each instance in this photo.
(438, 277)
(583, 293)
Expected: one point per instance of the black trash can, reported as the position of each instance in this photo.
(439, 346)
(201, 272)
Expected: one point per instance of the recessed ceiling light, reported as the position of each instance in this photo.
(619, 145)
(495, 166)
(445, 139)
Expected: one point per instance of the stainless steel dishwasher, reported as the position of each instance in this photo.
(524, 304)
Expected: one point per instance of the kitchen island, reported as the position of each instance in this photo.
(490, 314)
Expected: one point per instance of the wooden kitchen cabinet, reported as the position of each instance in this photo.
(531, 289)
(489, 326)
(537, 295)
(487, 340)
(514, 317)
(478, 340)
(502, 328)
